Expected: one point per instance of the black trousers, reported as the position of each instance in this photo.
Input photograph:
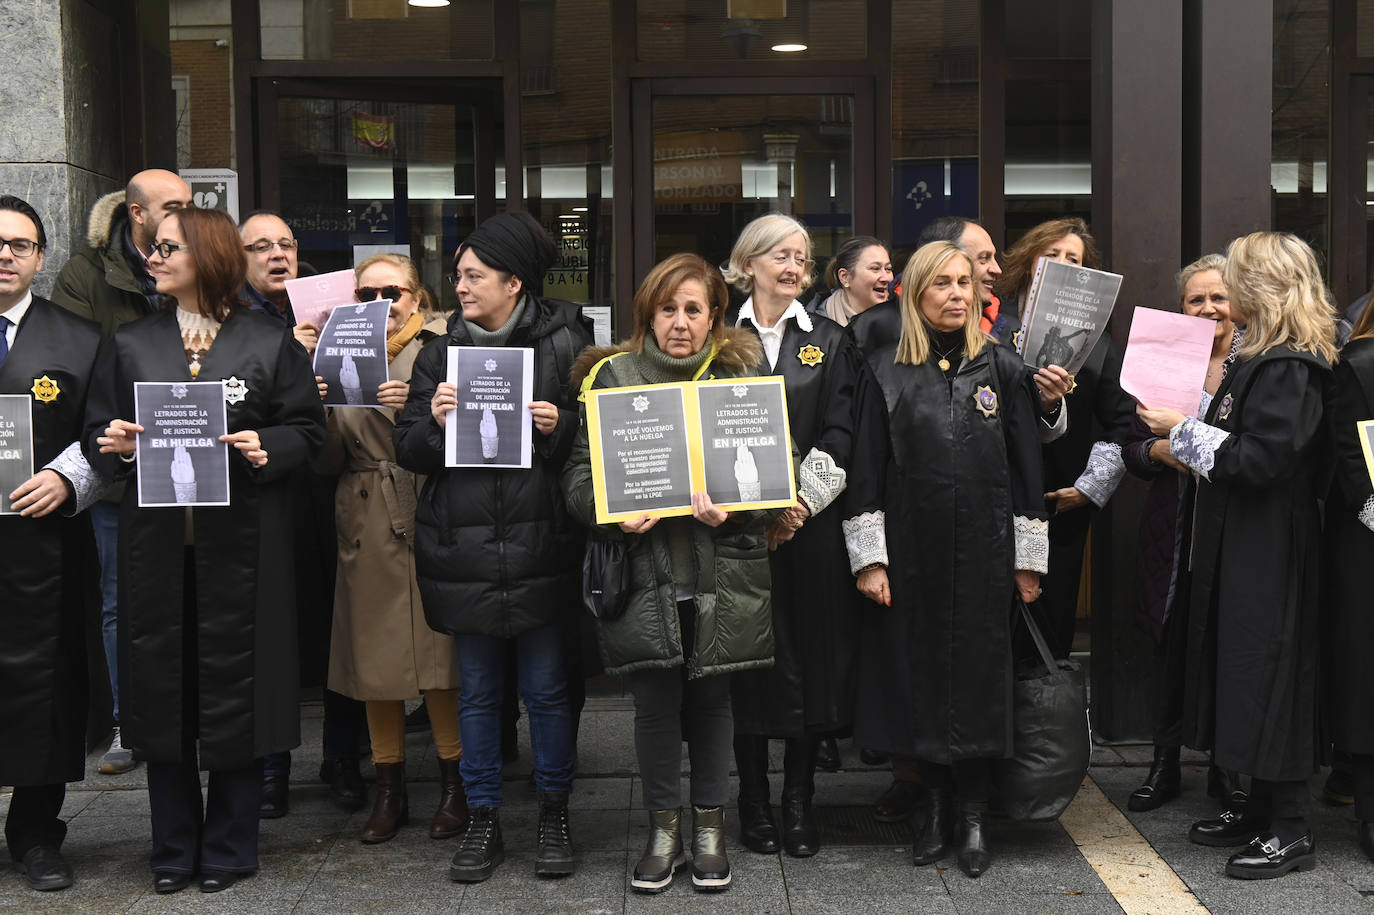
(1171, 670)
(190, 835)
(34, 820)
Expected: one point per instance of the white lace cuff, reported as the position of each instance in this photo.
(1032, 544)
(87, 485)
(865, 537)
(1366, 515)
(1195, 444)
(1049, 431)
(820, 481)
(1103, 473)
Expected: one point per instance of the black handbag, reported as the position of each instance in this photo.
(1052, 738)
(605, 577)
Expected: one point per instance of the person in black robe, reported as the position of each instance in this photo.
(966, 532)
(46, 354)
(1262, 463)
(211, 676)
(1348, 626)
(809, 691)
(1083, 465)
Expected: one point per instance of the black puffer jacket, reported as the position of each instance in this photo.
(495, 551)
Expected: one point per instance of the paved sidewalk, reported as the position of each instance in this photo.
(312, 861)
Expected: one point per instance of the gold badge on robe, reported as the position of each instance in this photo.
(811, 355)
(45, 390)
(985, 399)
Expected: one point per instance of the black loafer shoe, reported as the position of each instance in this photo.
(873, 757)
(1339, 788)
(216, 881)
(1264, 858)
(758, 831)
(828, 755)
(45, 868)
(170, 883)
(275, 802)
(1231, 828)
(898, 802)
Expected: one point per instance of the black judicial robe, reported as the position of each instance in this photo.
(245, 669)
(811, 687)
(1254, 581)
(1348, 624)
(962, 487)
(43, 649)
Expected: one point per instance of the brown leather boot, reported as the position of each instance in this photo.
(390, 810)
(452, 815)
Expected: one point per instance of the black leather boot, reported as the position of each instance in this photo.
(482, 850)
(1161, 785)
(801, 838)
(555, 858)
(758, 831)
(973, 850)
(938, 832)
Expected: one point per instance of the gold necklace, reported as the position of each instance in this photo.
(944, 357)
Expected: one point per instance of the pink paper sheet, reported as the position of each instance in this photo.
(1166, 359)
(314, 297)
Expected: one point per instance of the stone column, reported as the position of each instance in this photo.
(63, 140)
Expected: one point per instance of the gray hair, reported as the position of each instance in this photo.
(760, 236)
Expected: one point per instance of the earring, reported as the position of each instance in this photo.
(846, 285)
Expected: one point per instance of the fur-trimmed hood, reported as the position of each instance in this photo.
(740, 350)
(108, 211)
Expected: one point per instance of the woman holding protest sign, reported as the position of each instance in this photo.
(809, 693)
(210, 639)
(496, 554)
(382, 650)
(698, 603)
(1083, 466)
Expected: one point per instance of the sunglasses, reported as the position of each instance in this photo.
(373, 293)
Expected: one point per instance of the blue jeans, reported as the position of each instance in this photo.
(544, 686)
(105, 524)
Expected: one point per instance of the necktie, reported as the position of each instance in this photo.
(4, 339)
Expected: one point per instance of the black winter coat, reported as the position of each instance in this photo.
(1254, 582)
(245, 673)
(495, 551)
(43, 652)
(1348, 625)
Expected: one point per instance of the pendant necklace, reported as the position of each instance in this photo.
(944, 358)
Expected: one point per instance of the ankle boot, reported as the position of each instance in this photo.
(452, 814)
(973, 851)
(663, 853)
(482, 849)
(710, 867)
(800, 836)
(1162, 783)
(555, 857)
(758, 831)
(390, 808)
(937, 834)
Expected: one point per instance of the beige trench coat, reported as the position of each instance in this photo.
(381, 647)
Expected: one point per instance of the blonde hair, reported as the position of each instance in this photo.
(400, 262)
(1201, 265)
(759, 237)
(913, 348)
(1275, 282)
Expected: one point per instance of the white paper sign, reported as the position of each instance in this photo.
(492, 425)
(181, 460)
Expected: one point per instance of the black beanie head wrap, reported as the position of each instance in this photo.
(513, 242)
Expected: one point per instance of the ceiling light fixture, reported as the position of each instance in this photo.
(789, 48)
(428, 3)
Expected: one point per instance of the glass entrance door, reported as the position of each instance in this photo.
(716, 156)
(358, 168)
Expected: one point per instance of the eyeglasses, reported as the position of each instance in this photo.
(19, 247)
(373, 293)
(165, 248)
(782, 257)
(262, 245)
